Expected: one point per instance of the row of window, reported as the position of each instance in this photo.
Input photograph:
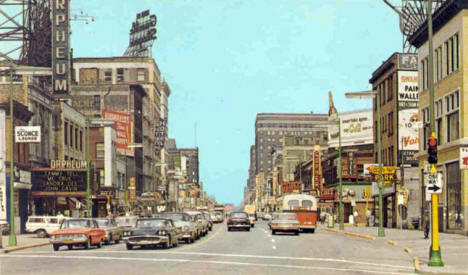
(446, 61)
(387, 124)
(448, 116)
(73, 136)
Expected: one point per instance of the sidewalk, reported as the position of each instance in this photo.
(23, 241)
(454, 247)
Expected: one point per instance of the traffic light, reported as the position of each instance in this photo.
(432, 151)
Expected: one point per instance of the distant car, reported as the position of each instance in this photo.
(153, 232)
(82, 232)
(267, 217)
(127, 223)
(185, 222)
(239, 220)
(114, 232)
(219, 217)
(284, 222)
(198, 217)
(207, 216)
(43, 225)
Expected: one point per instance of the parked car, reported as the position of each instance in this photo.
(239, 220)
(127, 223)
(114, 232)
(207, 216)
(4, 227)
(185, 222)
(267, 217)
(284, 222)
(83, 232)
(43, 225)
(217, 217)
(197, 217)
(153, 232)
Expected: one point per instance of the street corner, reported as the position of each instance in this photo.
(21, 247)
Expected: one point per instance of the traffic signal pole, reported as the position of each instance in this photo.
(435, 256)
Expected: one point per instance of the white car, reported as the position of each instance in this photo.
(267, 217)
(43, 225)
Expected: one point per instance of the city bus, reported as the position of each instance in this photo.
(305, 207)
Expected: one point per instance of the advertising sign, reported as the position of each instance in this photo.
(356, 129)
(408, 130)
(368, 168)
(408, 91)
(60, 46)
(463, 158)
(316, 171)
(123, 130)
(51, 180)
(161, 135)
(132, 189)
(408, 61)
(142, 35)
(28, 134)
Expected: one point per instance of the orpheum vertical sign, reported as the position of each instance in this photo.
(61, 46)
(316, 169)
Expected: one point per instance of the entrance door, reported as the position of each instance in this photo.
(454, 207)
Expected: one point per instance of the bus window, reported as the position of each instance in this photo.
(307, 203)
(293, 203)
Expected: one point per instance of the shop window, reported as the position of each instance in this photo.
(455, 217)
(120, 74)
(108, 75)
(100, 151)
(65, 132)
(452, 116)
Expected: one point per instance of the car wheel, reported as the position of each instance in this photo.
(129, 246)
(229, 229)
(108, 241)
(296, 233)
(117, 241)
(187, 241)
(99, 244)
(248, 229)
(87, 244)
(41, 233)
(252, 225)
(56, 247)
(273, 232)
(70, 247)
(312, 230)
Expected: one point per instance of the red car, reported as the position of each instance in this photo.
(78, 232)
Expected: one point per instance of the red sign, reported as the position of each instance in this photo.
(290, 186)
(317, 177)
(123, 129)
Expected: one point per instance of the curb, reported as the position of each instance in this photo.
(392, 243)
(331, 230)
(360, 235)
(20, 247)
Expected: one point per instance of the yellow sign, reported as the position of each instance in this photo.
(385, 170)
(367, 192)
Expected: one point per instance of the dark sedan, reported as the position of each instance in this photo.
(239, 220)
(153, 232)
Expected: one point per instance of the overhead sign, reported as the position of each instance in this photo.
(51, 180)
(434, 183)
(28, 134)
(142, 35)
(463, 158)
(60, 46)
(123, 130)
(367, 168)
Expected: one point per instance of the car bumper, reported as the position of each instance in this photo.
(307, 227)
(284, 228)
(239, 225)
(69, 242)
(147, 240)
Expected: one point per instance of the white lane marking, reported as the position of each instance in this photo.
(274, 247)
(202, 241)
(204, 262)
(216, 254)
(273, 240)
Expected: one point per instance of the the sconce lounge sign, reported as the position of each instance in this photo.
(60, 46)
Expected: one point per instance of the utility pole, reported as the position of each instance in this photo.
(12, 237)
(340, 177)
(88, 171)
(435, 256)
(381, 232)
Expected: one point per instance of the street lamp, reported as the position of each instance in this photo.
(376, 95)
(336, 118)
(18, 70)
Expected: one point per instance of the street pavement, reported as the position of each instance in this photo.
(222, 252)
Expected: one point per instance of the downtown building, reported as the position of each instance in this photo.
(396, 81)
(450, 113)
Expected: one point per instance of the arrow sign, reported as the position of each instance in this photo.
(433, 183)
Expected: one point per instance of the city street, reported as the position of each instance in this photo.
(223, 252)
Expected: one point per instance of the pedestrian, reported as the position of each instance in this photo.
(355, 217)
(368, 217)
(427, 223)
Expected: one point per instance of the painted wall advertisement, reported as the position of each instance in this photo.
(123, 130)
(408, 94)
(356, 129)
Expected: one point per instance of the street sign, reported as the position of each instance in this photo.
(433, 183)
(385, 169)
(367, 168)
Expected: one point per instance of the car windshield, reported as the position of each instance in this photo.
(103, 223)
(177, 217)
(151, 223)
(75, 224)
(126, 221)
(289, 217)
(238, 215)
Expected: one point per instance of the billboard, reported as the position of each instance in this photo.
(55, 180)
(123, 130)
(61, 46)
(142, 35)
(28, 134)
(356, 129)
(407, 129)
(408, 91)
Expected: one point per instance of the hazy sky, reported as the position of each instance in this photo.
(227, 60)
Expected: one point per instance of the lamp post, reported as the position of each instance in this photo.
(88, 171)
(335, 117)
(372, 94)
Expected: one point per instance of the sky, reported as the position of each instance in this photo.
(227, 60)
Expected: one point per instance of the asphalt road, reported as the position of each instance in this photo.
(222, 252)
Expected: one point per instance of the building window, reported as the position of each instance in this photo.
(100, 151)
(65, 131)
(108, 75)
(81, 141)
(97, 101)
(120, 74)
(390, 124)
(452, 116)
(76, 138)
(390, 88)
(141, 75)
(438, 120)
(426, 126)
